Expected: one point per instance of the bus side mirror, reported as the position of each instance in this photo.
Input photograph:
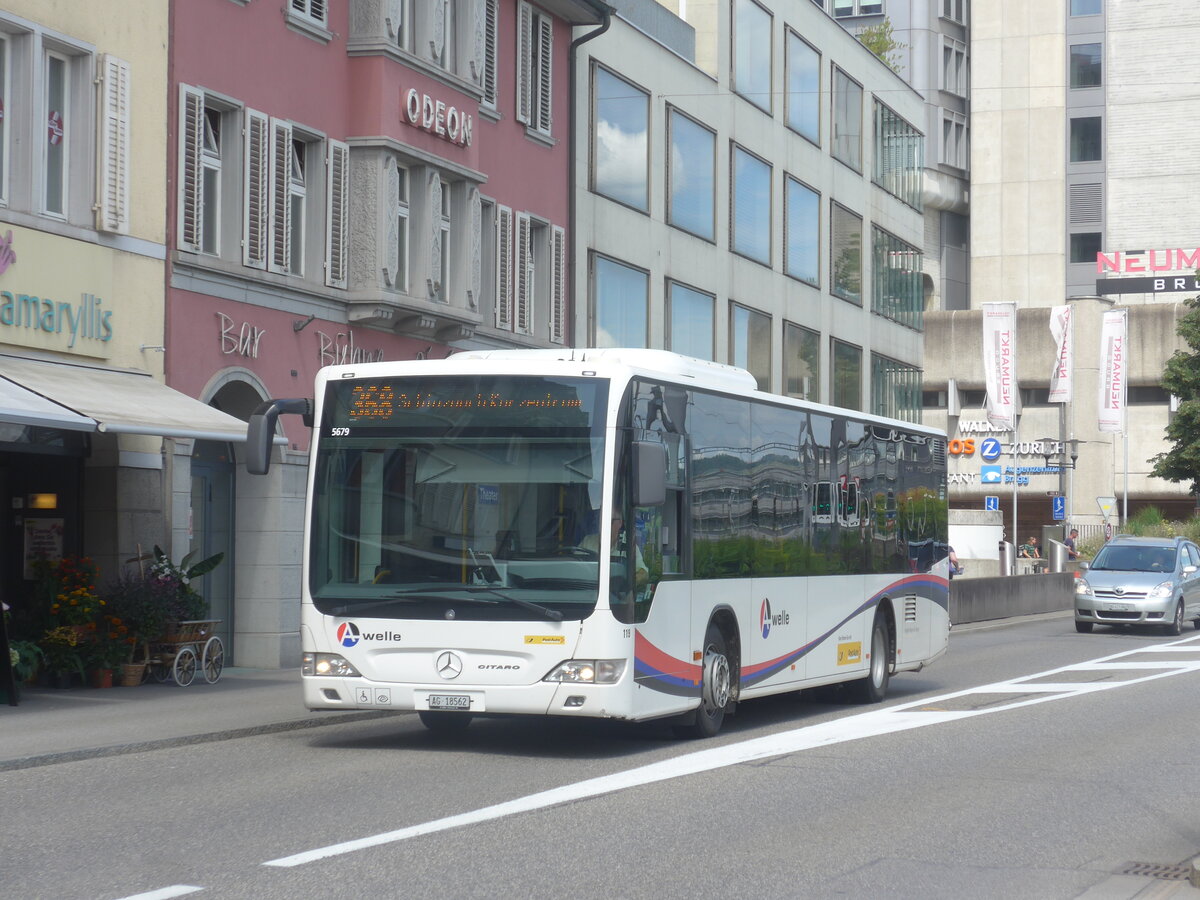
(260, 434)
(649, 473)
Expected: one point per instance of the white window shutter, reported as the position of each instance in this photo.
(545, 39)
(558, 285)
(281, 209)
(524, 62)
(191, 172)
(437, 36)
(256, 190)
(337, 215)
(391, 209)
(524, 274)
(504, 268)
(476, 207)
(433, 281)
(112, 207)
(491, 26)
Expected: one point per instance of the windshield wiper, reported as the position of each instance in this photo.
(434, 593)
(546, 611)
(373, 604)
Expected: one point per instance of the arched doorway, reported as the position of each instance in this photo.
(213, 526)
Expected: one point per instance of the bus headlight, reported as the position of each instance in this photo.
(327, 664)
(588, 671)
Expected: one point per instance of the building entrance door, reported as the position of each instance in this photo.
(212, 531)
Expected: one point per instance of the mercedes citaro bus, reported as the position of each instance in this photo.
(617, 533)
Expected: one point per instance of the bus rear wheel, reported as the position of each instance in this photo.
(716, 688)
(873, 688)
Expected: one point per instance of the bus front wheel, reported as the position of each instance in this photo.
(873, 688)
(716, 687)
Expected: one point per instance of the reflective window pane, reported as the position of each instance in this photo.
(803, 88)
(750, 343)
(847, 375)
(752, 53)
(847, 120)
(1085, 65)
(802, 232)
(801, 362)
(691, 319)
(619, 296)
(620, 164)
(846, 254)
(1085, 139)
(750, 222)
(692, 176)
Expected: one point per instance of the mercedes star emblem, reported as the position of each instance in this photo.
(449, 665)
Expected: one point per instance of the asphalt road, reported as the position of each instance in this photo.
(973, 779)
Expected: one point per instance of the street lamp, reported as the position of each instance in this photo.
(1060, 449)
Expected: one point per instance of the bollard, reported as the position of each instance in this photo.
(1008, 558)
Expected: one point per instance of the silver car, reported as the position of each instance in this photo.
(1140, 581)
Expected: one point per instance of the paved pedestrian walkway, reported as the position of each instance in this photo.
(52, 725)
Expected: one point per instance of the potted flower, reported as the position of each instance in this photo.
(136, 610)
(27, 659)
(183, 603)
(61, 648)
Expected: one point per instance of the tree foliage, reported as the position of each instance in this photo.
(880, 40)
(1181, 377)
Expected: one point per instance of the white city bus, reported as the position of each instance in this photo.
(614, 533)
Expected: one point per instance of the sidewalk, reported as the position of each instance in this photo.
(51, 726)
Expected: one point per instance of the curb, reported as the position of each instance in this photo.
(67, 756)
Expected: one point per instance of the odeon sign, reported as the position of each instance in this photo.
(436, 117)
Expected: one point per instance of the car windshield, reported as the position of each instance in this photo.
(1135, 559)
(463, 493)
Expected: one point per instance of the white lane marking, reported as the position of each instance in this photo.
(175, 890)
(903, 717)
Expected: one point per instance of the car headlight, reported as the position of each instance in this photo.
(1161, 591)
(327, 664)
(587, 671)
(1082, 588)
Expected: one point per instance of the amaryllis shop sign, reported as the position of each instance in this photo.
(434, 116)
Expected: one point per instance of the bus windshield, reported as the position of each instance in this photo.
(463, 497)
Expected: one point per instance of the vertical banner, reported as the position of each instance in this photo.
(1114, 364)
(1000, 363)
(1061, 378)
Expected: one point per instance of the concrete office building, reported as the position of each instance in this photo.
(932, 54)
(748, 189)
(1082, 194)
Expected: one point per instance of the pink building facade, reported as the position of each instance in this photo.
(351, 181)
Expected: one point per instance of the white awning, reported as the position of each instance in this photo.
(99, 399)
(27, 408)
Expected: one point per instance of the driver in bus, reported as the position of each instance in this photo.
(619, 543)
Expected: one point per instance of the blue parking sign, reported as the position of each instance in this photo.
(1058, 508)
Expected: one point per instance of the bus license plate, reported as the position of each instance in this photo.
(449, 701)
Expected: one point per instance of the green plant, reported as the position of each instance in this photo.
(27, 658)
(67, 588)
(188, 603)
(136, 609)
(61, 648)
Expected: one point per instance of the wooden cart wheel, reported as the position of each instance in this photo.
(184, 669)
(213, 659)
